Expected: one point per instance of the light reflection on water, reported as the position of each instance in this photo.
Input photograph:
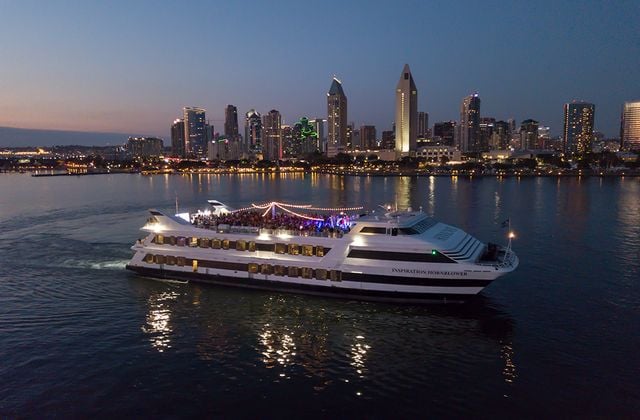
(158, 325)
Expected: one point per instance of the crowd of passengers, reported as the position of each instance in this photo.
(279, 221)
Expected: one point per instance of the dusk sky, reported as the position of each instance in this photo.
(130, 66)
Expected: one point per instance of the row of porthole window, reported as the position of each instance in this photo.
(254, 268)
(240, 245)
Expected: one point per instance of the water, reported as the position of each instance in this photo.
(81, 337)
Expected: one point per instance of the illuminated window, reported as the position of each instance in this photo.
(216, 243)
(241, 245)
(321, 274)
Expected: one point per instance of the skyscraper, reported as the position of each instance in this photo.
(501, 135)
(529, 135)
(578, 127)
(177, 138)
(253, 132)
(423, 125)
(195, 135)
(336, 118)
(470, 124)
(486, 129)
(368, 137)
(406, 112)
(630, 126)
(318, 126)
(272, 135)
(231, 123)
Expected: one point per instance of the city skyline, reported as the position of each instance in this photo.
(71, 71)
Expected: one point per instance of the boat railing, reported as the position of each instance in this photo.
(505, 258)
(254, 230)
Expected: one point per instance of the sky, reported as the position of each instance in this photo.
(130, 66)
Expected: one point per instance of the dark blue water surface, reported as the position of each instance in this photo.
(82, 337)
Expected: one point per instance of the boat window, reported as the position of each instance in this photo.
(171, 260)
(279, 270)
(319, 251)
(148, 258)
(294, 249)
(307, 250)
(266, 269)
(225, 244)
(281, 248)
(193, 241)
(253, 268)
(216, 243)
(252, 246)
(194, 265)
(173, 240)
(372, 229)
(292, 272)
(321, 274)
(429, 257)
(180, 261)
(336, 275)
(241, 245)
(160, 259)
(159, 239)
(204, 242)
(181, 241)
(307, 273)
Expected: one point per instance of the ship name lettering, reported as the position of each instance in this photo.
(428, 272)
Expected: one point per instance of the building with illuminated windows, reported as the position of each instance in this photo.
(578, 127)
(469, 140)
(253, 132)
(630, 126)
(368, 137)
(406, 113)
(231, 123)
(177, 138)
(195, 132)
(529, 135)
(336, 119)
(272, 135)
(145, 147)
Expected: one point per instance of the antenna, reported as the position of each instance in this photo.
(176, 192)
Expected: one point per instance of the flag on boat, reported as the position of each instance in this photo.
(506, 223)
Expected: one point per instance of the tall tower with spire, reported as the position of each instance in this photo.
(336, 119)
(406, 113)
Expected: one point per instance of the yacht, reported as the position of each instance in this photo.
(393, 256)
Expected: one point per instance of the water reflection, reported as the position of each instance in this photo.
(359, 350)
(158, 325)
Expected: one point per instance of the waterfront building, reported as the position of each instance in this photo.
(544, 137)
(288, 148)
(350, 140)
(406, 113)
(195, 132)
(423, 125)
(145, 147)
(469, 140)
(336, 119)
(578, 127)
(439, 153)
(253, 132)
(529, 135)
(444, 133)
(231, 123)
(177, 138)
(318, 126)
(272, 135)
(367, 137)
(630, 126)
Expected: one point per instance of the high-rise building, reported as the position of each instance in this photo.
(195, 135)
(318, 126)
(388, 140)
(578, 127)
(529, 135)
(406, 113)
(177, 138)
(501, 135)
(444, 133)
(231, 123)
(630, 126)
(272, 135)
(487, 125)
(145, 147)
(288, 147)
(253, 132)
(336, 118)
(423, 125)
(368, 137)
(469, 140)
